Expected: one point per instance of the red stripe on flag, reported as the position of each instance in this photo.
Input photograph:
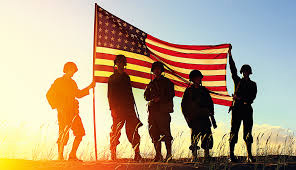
(185, 55)
(177, 64)
(189, 47)
(146, 75)
(129, 60)
(177, 93)
(100, 79)
(205, 78)
(148, 65)
(218, 88)
(216, 101)
(135, 73)
(128, 71)
(222, 102)
(149, 76)
(194, 66)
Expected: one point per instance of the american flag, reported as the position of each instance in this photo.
(114, 36)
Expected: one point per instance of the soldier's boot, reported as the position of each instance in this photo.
(138, 156)
(60, 151)
(113, 153)
(158, 157)
(232, 157)
(169, 156)
(76, 143)
(194, 150)
(207, 157)
(250, 157)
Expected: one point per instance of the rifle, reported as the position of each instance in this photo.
(233, 101)
(232, 104)
(137, 114)
(154, 91)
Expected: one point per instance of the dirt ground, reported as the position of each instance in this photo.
(266, 163)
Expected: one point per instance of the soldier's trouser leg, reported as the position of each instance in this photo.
(168, 145)
(75, 146)
(163, 123)
(156, 140)
(79, 132)
(155, 136)
(235, 125)
(63, 139)
(131, 128)
(207, 154)
(115, 135)
(61, 146)
(207, 140)
(248, 126)
(207, 143)
(195, 135)
(157, 147)
(61, 151)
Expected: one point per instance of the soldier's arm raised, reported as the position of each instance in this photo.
(233, 68)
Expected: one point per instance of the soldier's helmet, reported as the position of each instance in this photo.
(246, 68)
(120, 58)
(157, 64)
(69, 66)
(195, 73)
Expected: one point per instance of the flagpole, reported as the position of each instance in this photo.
(94, 56)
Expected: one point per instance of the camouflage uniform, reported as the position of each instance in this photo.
(121, 102)
(159, 112)
(197, 105)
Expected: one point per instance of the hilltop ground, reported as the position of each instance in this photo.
(266, 162)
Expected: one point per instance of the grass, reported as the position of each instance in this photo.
(281, 144)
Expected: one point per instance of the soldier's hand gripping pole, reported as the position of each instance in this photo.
(232, 104)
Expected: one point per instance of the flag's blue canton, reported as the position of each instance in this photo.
(112, 32)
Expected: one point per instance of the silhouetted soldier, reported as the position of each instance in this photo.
(160, 93)
(62, 96)
(122, 106)
(197, 108)
(245, 93)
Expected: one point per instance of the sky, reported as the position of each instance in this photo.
(39, 37)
